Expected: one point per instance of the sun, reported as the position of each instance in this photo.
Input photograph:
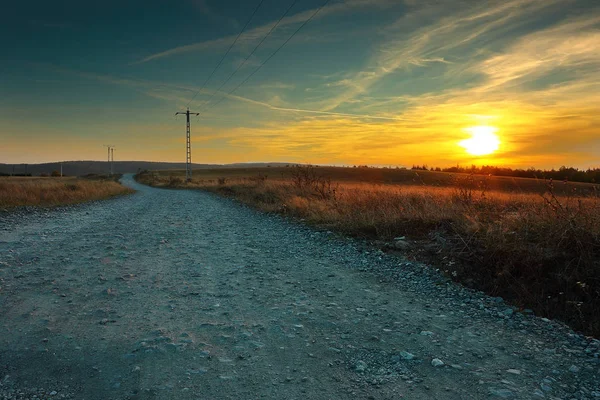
(483, 140)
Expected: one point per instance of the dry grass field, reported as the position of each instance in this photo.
(532, 242)
(53, 191)
(381, 176)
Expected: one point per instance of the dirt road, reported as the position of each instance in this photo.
(170, 294)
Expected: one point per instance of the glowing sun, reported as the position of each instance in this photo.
(483, 140)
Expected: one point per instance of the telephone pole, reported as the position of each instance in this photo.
(111, 156)
(188, 144)
(112, 160)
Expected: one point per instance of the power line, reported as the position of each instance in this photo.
(226, 53)
(253, 51)
(273, 54)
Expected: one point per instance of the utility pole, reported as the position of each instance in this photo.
(188, 144)
(112, 160)
(110, 149)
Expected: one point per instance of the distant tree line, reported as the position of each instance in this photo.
(590, 175)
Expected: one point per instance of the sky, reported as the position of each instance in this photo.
(346, 82)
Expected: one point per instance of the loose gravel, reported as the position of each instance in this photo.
(174, 294)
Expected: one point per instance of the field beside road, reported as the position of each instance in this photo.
(378, 176)
(533, 242)
(55, 191)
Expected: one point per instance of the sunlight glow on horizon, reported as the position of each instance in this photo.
(483, 140)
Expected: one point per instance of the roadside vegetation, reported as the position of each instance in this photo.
(534, 243)
(57, 191)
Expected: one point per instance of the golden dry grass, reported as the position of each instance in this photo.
(387, 176)
(537, 248)
(49, 192)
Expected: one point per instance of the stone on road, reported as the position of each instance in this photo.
(173, 294)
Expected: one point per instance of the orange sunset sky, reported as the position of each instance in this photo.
(379, 82)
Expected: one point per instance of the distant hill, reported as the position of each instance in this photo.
(256, 165)
(78, 168)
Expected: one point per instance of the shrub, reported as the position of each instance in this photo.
(175, 181)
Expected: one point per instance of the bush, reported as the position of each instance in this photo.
(306, 179)
(175, 181)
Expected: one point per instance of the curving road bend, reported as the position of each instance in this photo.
(170, 294)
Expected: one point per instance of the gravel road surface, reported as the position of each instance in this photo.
(171, 294)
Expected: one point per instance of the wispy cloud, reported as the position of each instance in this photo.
(254, 35)
(180, 94)
(206, 9)
(454, 29)
(277, 85)
(573, 45)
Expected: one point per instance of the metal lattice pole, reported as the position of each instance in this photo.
(110, 149)
(188, 150)
(112, 160)
(188, 145)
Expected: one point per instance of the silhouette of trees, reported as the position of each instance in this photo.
(590, 175)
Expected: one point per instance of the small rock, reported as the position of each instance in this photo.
(514, 371)
(198, 371)
(508, 312)
(406, 355)
(574, 369)
(402, 245)
(53, 393)
(426, 333)
(436, 362)
(545, 387)
(360, 366)
(504, 393)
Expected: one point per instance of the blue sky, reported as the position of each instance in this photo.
(364, 82)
